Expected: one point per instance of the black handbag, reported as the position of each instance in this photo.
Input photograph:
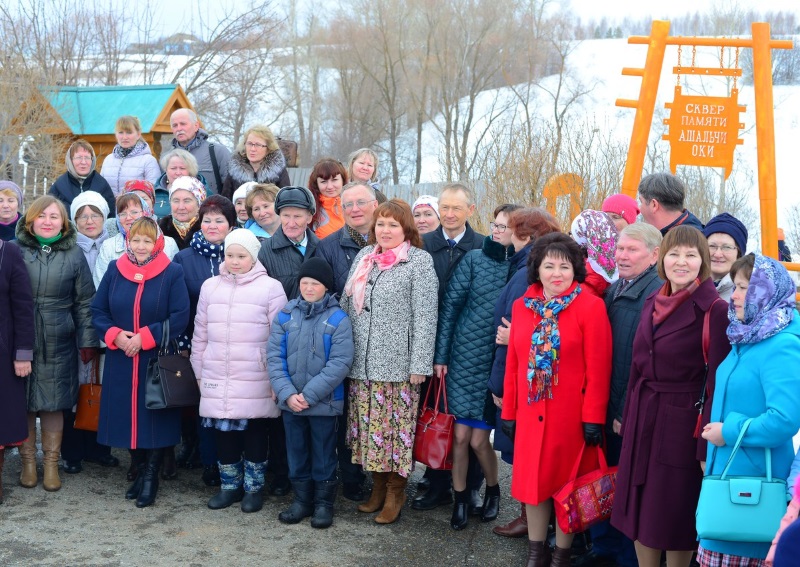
(170, 381)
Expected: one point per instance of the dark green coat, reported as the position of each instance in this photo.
(465, 335)
(62, 292)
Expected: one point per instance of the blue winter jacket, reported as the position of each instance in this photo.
(307, 354)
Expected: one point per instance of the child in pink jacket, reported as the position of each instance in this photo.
(232, 326)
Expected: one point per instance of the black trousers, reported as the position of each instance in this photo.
(252, 442)
(78, 444)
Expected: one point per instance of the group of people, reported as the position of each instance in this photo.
(315, 319)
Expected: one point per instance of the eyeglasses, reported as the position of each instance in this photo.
(129, 215)
(254, 145)
(361, 204)
(82, 158)
(84, 218)
(498, 227)
(725, 248)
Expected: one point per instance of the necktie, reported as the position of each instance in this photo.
(451, 242)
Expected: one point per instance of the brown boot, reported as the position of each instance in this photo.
(51, 445)
(378, 496)
(27, 452)
(518, 527)
(561, 557)
(538, 554)
(395, 498)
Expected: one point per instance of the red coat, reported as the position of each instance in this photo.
(549, 433)
(659, 477)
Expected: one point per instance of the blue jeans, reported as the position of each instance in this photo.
(310, 446)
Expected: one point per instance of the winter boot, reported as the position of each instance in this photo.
(460, 518)
(51, 445)
(253, 499)
(395, 498)
(518, 527)
(302, 505)
(169, 470)
(324, 497)
(561, 557)
(538, 554)
(147, 495)
(138, 463)
(230, 488)
(378, 496)
(27, 453)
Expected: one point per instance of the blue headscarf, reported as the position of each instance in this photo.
(769, 304)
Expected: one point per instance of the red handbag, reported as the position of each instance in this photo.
(586, 501)
(87, 415)
(433, 440)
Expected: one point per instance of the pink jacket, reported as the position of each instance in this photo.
(232, 326)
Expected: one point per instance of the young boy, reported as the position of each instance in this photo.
(310, 352)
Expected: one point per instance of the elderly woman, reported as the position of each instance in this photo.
(201, 261)
(175, 163)
(130, 158)
(394, 342)
(556, 387)
(464, 351)
(62, 291)
(139, 292)
(81, 176)
(10, 204)
(260, 206)
(598, 236)
(660, 466)
(16, 348)
(88, 211)
(752, 383)
(186, 194)
(239, 200)
(426, 213)
(326, 182)
(259, 158)
(727, 242)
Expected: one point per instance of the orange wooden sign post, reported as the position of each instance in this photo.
(704, 130)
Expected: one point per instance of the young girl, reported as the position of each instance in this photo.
(231, 329)
(307, 381)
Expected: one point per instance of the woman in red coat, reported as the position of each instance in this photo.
(660, 469)
(556, 386)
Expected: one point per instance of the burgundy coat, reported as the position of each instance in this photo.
(659, 477)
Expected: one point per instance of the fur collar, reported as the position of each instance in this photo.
(27, 240)
(269, 172)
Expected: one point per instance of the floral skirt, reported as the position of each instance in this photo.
(708, 558)
(381, 423)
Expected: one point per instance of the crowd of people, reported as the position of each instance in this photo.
(315, 319)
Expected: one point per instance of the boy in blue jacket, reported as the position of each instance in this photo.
(310, 352)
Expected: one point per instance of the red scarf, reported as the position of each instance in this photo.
(667, 302)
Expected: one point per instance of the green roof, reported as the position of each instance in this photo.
(94, 110)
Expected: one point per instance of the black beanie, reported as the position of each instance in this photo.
(318, 269)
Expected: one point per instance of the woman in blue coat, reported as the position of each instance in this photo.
(464, 349)
(201, 261)
(754, 381)
(138, 293)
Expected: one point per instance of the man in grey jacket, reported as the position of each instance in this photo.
(212, 158)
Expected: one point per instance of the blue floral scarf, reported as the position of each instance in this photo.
(545, 345)
(768, 305)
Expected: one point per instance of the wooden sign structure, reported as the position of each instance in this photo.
(694, 135)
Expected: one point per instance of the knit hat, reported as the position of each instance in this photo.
(142, 185)
(622, 205)
(190, 184)
(92, 198)
(243, 190)
(246, 240)
(299, 197)
(318, 269)
(13, 187)
(429, 200)
(730, 225)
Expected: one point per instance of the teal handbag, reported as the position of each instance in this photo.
(739, 508)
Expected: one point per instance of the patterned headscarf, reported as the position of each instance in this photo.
(545, 345)
(594, 231)
(142, 185)
(147, 211)
(768, 305)
(157, 249)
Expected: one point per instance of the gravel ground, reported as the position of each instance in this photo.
(89, 522)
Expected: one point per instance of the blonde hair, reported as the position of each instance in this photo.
(357, 154)
(266, 191)
(10, 193)
(38, 207)
(262, 131)
(144, 226)
(128, 123)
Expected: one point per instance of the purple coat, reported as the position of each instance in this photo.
(659, 477)
(16, 342)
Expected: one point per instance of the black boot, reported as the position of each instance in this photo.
(324, 497)
(137, 464)
(147, 495)
(230, 491)
(302, 505)
(459, 520)
(188, 455)
(491, 503)
(438, 494)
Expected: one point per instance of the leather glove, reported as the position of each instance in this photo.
(509, 427)
(593, 434)
(88, 354)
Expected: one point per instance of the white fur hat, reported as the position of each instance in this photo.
(92, 198)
